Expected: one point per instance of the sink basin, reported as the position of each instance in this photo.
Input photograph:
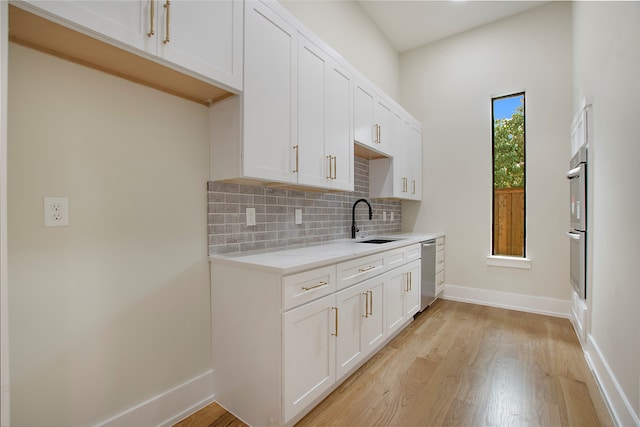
(377, 241)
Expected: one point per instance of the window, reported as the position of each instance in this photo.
(508, 118)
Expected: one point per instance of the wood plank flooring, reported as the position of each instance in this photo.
(462, 364)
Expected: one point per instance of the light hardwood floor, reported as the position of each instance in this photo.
(462, 364)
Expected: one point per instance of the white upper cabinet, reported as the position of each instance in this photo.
(201, 37)
(268, 115)
(400, 177)
(373, 118)
(325, 132)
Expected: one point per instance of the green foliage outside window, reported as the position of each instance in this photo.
(508, 165)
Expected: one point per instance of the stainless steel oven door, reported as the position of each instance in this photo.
(578, 190)
(578, 257)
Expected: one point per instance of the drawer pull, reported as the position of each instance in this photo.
(362, 270)
(308, 288)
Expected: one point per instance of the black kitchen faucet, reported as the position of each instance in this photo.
(355, 229)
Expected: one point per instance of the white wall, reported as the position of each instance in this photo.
(448, 86)
(113, 309)
(606, 69)
(346, 27)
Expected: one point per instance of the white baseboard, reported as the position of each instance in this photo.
(619, 406)
(168, 407)
(528, 303)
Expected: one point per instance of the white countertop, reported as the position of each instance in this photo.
(293, 260)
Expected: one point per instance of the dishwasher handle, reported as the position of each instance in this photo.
(428, 243)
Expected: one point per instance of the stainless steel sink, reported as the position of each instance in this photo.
(377, 241)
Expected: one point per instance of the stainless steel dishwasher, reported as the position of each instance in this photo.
(428, 273)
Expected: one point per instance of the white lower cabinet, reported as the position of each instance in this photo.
(309, 353)
(402, 295)
(281, 343)
(361, 323)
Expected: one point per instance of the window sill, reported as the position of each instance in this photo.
(509, 262)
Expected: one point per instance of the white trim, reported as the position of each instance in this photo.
(528, 303)
(619, 406)
(509, 261)
(168, 407)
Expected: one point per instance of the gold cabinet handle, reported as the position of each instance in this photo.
(308, 288)
(167, 6)
(332, 167)
(335, 167)
(366, 304)
(414, 187)
(336, 309)
(376, 129)
(362, 270)
(404, 185)
(295, 147)
(329, 159)
(410, 281)
(370, 303)
(379, 133)
(152, 18)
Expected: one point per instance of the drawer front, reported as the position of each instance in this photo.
(439, 261)
(401, 256)
(357, 270)
(303, 287)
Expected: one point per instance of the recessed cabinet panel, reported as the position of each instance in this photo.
(268, 95)
(352, 303)
(325, 136)
(339, 128)
(309, 353)
(312, 71)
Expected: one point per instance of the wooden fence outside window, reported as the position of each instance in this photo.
(508, 221)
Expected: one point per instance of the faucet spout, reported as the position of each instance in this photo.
(354, 228)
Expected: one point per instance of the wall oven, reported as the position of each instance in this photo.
(577, 234)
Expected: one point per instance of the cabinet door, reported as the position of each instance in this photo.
(413, 161)
(204, 37)
(363, 99)
(269, 98)
(412, 295)
(352, 308)
(395, 287)
(400, 157)
(309, 353)
(339, 127)
(312, 79)
(383, 119)
(127, 22)
(374, 331)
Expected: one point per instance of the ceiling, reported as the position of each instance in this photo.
(409, 24)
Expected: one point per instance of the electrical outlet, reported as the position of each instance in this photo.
(56, 211)
(384, 215)
(251, 216)
(298, 216)
(391, 216)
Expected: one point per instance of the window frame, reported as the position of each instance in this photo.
(501, 259)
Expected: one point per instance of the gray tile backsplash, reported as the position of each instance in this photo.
(325, 216)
